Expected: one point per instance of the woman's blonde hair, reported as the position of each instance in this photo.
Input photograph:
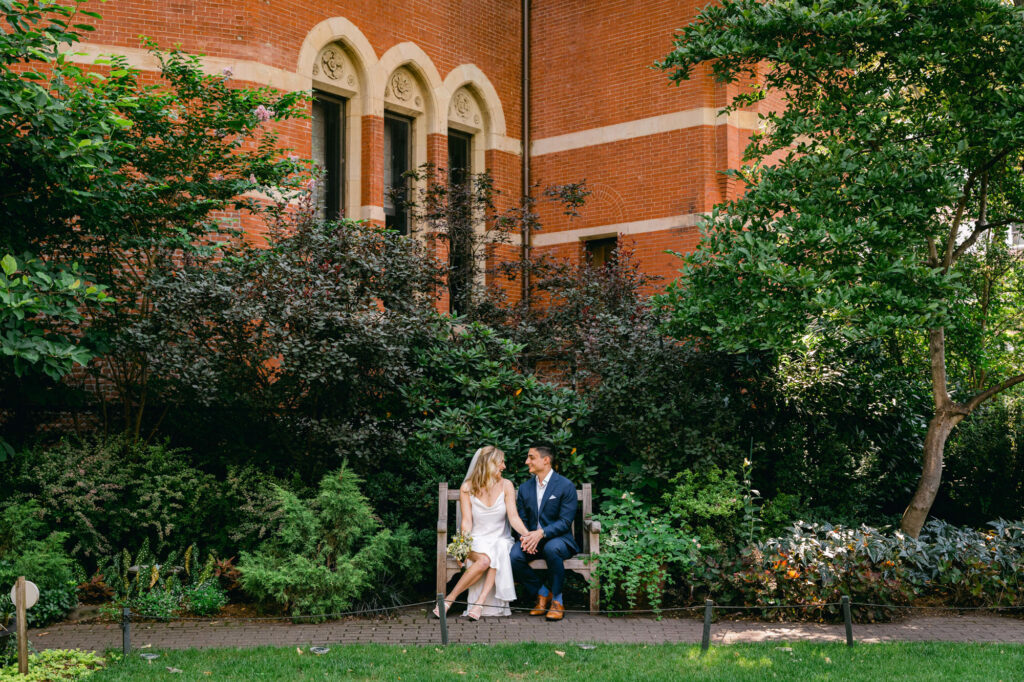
(486, 470)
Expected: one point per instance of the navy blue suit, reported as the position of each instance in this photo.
(557, 512)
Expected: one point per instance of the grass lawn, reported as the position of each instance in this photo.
(799, 661)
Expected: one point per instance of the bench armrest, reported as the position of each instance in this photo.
(592, 526)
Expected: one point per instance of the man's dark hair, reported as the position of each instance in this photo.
(546, 450)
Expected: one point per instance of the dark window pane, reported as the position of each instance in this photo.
(397, 159)
(461, 272)
(329, 153)
(600, 252)
(460, 147)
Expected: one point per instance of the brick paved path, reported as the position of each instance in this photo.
(413, 627)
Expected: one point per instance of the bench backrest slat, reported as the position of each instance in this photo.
(453, 494)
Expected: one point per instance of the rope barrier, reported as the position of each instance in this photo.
(776, 606)
(321, 616)
(709, 607)
(939, 608)
(672, 609)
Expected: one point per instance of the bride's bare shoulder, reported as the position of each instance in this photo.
(465, 488)
(508, 485)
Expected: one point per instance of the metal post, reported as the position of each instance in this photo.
(19, 609)
(848, 619)
(444, 618)
(126, 630)
(705, 640)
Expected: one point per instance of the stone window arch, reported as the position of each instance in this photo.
(337, 60)
(466, 120)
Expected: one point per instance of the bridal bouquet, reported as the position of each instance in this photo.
(460, 546)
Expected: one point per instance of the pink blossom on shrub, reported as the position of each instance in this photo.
(264, 114)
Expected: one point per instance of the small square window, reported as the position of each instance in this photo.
(1016, 236)
(601, 252)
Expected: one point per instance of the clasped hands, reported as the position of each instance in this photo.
(530, 540)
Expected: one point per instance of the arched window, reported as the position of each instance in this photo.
(465, 158)
(329, 152)
(335, 131)
(405, 144)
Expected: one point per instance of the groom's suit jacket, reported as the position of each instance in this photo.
(557, 511)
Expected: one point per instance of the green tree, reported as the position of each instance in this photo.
(894, 157)
(56, 127)
(38, 302)
(124, 178)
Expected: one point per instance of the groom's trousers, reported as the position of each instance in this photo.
(554, 551)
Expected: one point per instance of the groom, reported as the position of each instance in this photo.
(547, 505)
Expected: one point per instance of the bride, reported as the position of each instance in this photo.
(488, 505)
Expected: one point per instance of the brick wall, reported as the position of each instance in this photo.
(599, 109)
(592, 81)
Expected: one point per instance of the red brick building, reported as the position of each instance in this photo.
(400, 84)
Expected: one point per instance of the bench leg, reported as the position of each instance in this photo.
(595, 599)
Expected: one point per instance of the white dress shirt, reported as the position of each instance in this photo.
(541, 487)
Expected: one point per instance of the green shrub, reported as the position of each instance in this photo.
(26, 548)
(159, 603)
(317, 380)
(330, 552)
(204, 599)
(55, 664)
(781, 512)
(810, 565)
(640, 552)
(404, 490)
(253, 505)
(598, 334)
(983, 475)
(107, 493)
(708, 503)
(967, 567)
(470, 392)
(160, 589)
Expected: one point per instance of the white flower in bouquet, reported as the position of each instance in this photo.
(460, 546)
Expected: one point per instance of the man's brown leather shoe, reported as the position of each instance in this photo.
(556, 612)
(542, 606)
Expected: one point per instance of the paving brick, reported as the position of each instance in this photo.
(413, 627)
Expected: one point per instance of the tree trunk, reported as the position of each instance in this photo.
(946, 416)
(916, 512)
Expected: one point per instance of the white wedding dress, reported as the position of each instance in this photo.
(492, 536)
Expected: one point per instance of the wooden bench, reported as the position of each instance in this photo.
(587, 534)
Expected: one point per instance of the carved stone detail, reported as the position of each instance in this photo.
(332, 63)
(403, 89)
(462, 104)
(401, 86)
(465, 108)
